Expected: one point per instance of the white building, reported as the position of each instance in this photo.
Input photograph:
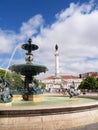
(55, 84)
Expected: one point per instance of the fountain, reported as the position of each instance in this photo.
(28, 70)
(54, 112)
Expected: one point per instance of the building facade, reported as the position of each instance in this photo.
(63, 82)
(85, 75)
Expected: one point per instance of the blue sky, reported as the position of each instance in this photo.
(72, 24)
(14, 12)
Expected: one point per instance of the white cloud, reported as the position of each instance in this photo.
(75, 31)
(6, 41)
(31, 26)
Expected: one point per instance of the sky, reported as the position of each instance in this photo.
(72, 24)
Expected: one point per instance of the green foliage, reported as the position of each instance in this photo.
(43, 85)
(14, 78)
(2, 72)
(89, 83)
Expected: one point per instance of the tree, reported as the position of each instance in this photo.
(3, 72)
(14, 78)
(96, 83)
(89, 83)
(43, 85)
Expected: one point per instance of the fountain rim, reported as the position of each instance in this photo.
(31, 65)
(31, 69)
(38, 111)
(48, 110)
(27, 64)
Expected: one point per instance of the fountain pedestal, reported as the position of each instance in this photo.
(17, 98)
(35, 98)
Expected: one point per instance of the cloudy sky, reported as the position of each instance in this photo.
(71, 24)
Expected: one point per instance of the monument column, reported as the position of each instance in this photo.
(56, 61)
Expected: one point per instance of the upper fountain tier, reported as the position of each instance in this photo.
(28, 69)
(29, 47)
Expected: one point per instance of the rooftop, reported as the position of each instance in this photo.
(62, 77)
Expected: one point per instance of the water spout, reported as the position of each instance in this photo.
(13, 53)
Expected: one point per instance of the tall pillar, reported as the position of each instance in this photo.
(56, 61)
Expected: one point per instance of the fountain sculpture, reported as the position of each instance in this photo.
(73, 92)
(5, 92)
(29, 70)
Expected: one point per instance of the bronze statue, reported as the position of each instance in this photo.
(5, 93)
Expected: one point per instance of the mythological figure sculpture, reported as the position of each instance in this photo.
(5, 93)
(73, 91)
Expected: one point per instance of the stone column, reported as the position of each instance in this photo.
(56, 61)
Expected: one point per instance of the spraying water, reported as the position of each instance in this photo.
(14, 51)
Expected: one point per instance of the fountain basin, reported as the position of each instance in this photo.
(48, 117)
(28, 69)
